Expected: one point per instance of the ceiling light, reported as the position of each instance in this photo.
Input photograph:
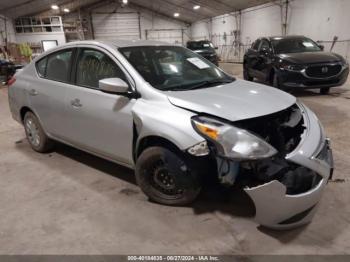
(66, 10)
(54, 7)
(125, 2)
(196, 7)
(176, 14)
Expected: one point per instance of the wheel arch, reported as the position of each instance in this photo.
(23, 111)
(153, 140)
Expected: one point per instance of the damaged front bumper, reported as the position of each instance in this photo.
(277, 209)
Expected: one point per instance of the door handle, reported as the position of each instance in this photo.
(76, 103)
(33, 92)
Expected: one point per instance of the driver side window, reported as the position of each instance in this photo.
(264, 45)
(93, 66)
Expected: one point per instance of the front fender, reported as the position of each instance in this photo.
(160, 118)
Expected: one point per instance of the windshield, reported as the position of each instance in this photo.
(200, 45)
(294, 45)
(174, 67)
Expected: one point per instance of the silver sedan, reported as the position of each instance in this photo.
(175, 118)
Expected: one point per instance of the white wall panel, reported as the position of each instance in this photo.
(10, 32)
(260, 21)
(38, 37)
(163, 29)
(111, 26)
(173, 36)
(200, 30)
(320, 19)
(149, 21)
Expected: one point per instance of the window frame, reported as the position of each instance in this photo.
(73, 49)
(79, 52)
(37, 66)
(255, 43)
(261, 43)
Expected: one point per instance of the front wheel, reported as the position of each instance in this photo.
(166, 177)
(35, 134)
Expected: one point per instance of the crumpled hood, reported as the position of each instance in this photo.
(310, 57)
(235, 101)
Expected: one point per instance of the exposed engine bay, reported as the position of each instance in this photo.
(284, 131)
(281, 177)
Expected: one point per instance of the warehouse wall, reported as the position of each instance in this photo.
(38, 37)
(319, 19)
(158, 26)
(10, 33)
(330, 18)
(260, 21)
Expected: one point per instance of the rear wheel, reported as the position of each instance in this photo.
(35, 134)
(166, 177)
(325, 91)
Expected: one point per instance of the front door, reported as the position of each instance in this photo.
(97, 121)
(263, 60)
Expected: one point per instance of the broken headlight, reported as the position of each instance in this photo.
(232, 142)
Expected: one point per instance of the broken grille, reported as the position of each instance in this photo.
(283, 130)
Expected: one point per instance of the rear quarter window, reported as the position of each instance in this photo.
(41, 67)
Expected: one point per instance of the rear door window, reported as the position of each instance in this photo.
(59, 65)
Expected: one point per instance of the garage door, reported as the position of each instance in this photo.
(113, 26)
(173, 36)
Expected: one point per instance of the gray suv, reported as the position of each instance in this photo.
(176, 119)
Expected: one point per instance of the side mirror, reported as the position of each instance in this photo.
(322, 47)
(113, 86)
(216, 48)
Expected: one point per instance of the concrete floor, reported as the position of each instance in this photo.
(69, 202)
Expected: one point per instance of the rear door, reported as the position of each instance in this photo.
(47, 91)
(99, 122)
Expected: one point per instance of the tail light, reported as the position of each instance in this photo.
(11, 81)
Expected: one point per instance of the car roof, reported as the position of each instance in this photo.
(118, 43)
(284, 37)
(198, 41)
(115, 44)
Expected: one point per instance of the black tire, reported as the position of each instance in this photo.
(166, 177)
(325, 90)
(246, 74)
(36, 136)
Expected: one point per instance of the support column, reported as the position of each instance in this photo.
(284, 16)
